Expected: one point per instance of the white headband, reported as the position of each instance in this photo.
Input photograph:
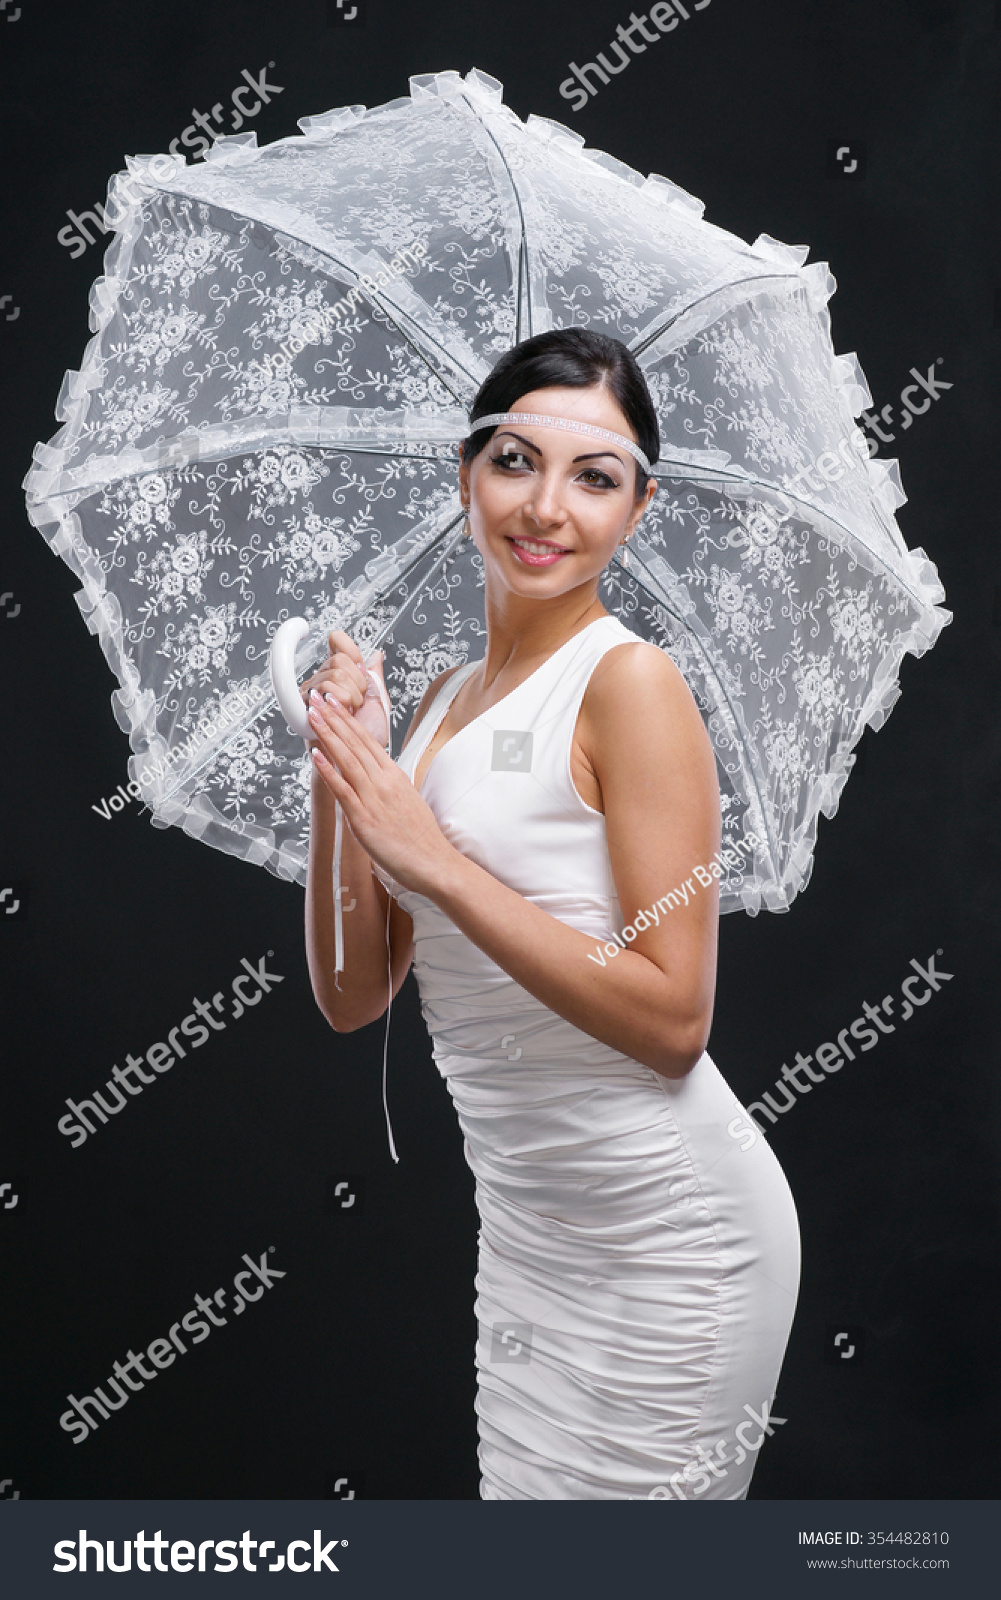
(568, 424)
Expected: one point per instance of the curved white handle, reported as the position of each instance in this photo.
(283, 678)
(281, 659)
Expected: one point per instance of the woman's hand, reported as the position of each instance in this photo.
(392, 822)
(343, 675)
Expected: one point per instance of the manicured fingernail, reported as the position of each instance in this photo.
(314, 694)
(333, 701)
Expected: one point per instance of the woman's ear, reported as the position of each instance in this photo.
(641, 504)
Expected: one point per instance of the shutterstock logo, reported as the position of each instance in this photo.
(71, 1554)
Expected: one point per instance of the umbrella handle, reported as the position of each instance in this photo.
(283, 678)
(281, 659)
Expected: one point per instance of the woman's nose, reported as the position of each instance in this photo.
(545, 503)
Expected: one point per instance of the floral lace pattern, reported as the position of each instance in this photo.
(264, 426)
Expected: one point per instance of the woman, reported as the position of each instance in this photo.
(638, 1261)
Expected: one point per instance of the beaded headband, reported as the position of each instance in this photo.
(568, 424)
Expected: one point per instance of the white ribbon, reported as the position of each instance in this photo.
(568, 425)
(339, 912)
(339, 836)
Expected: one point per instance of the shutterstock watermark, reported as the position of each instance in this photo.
(161, 1057)
(665, 16)
(511, 1341)
(829, 466)
(830, 1056)
(730, 857)
(76, 232)
(160, 168)
(86, 1414)
(698, 1475)
(928, 387)
(241, 113)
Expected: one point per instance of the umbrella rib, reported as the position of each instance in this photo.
(398, 324)
(523, 244)
(396, 315)
(242, 723)
(656, 592)
(737, 283)
(393, 312)
(84, 490)
(809, 512)
(391, 624)
(521, 281)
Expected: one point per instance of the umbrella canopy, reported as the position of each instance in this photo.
(286, 344)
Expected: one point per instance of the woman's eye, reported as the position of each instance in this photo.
(593, 477)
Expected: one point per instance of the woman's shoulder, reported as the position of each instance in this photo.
(632, 665)
(643, 735)
(636, 691)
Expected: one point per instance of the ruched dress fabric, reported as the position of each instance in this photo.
(639, 1250)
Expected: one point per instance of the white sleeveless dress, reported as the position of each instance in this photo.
(638, 1262)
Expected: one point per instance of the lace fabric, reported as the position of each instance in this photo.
(265, 420)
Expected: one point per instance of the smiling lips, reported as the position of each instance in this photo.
(538, 552)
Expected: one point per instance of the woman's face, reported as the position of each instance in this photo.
(547, 508)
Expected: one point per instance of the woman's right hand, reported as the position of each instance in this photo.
(343, 675)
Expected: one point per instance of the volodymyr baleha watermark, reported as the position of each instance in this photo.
(316, 323)
(110, 803)
(212, 720)
(215, 718)
(730, 856)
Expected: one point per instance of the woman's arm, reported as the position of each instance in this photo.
(655, 767)
(656, 770)
(365, 985)
(364, 979)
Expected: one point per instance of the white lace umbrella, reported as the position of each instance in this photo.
(286, 344)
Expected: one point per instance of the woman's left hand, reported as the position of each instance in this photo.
(392, 822)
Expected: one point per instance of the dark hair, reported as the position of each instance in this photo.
(569, 358)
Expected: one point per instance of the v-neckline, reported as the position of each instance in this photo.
(456, 684)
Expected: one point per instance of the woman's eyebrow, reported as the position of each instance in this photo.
(519, 436)
(589, 457)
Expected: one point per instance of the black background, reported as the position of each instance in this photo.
(359, 1362)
